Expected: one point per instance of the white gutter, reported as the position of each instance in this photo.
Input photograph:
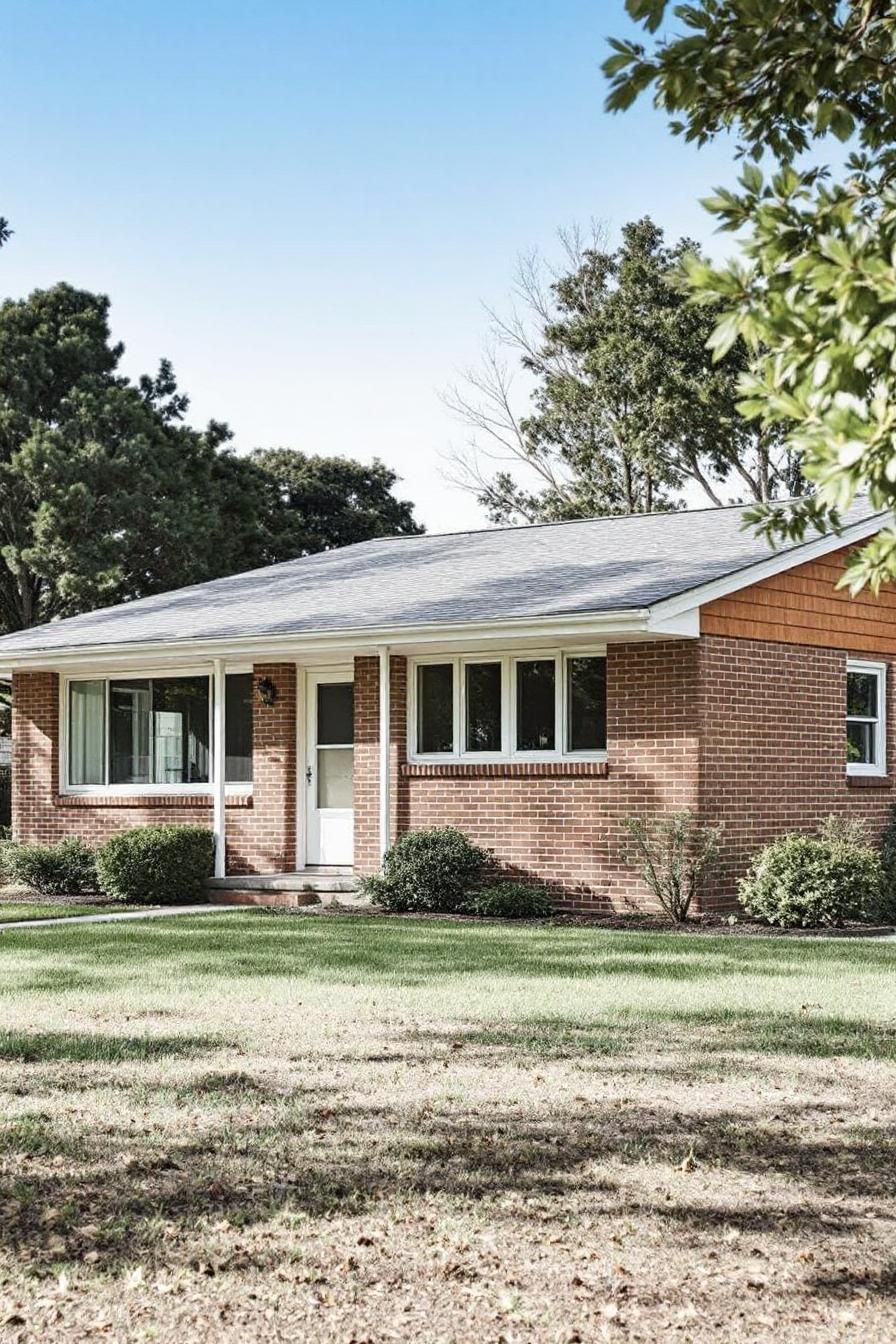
(616, 624)
(385, 711)
(637, 622)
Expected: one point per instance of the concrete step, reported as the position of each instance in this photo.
(316, 887)
(318, 880)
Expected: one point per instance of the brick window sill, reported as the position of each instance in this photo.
(137, 800)
(506, 770)
(869, 781)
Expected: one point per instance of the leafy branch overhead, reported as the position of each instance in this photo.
(813, 293)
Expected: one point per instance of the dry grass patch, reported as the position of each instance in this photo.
(240, 1127)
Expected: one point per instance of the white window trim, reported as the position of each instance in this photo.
(508, 752)
(879, 765)
(243, 789)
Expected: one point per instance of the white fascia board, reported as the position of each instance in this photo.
(555, 629)
(777, 563)
(682, 625)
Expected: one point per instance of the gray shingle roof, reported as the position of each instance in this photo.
(598, 565)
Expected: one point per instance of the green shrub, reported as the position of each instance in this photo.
(66, 869)
(510, 900)
(886, 904)
(674, 855)
(800, 881)
(6, 847)
(156, 865)
(427, 870)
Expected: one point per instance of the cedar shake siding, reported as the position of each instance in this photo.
(803, 606)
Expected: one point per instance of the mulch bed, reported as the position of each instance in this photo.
(738, 926)
(741, 926)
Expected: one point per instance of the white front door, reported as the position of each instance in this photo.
(329, 769)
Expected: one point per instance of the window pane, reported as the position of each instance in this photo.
(586, 692)
(130, 709)
(535, 726)
(861, 694)
(483, 700)
(335, 713)
(238, 728)
(435, 707)
(180, 726)
(334, 776)
(860, 744)
(87, 732)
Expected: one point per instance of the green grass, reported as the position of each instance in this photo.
(368, 1125)
(49, 910)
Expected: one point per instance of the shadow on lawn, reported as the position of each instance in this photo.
(160, 1203)
(80, 1047)
(408, 952)
(703, 1034)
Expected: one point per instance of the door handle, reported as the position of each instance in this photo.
(308, 774)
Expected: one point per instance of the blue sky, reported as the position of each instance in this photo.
(305, 205)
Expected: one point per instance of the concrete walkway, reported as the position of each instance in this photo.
(159, 912)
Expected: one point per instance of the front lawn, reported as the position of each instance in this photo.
(55, 910)
(246, 1127)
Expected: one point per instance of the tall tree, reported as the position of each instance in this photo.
(104, 493)
(5, 231)
(107, 494)
(814, 293)
(626, 406)
(322, 502)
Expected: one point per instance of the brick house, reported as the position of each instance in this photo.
(532, 686)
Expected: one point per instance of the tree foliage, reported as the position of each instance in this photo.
(322, 502)
(5, 231)
(107, 494)
(814, 293)
(627, 406)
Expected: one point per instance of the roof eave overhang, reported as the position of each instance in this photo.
(676, 617)
(672, 608)
(637, 623)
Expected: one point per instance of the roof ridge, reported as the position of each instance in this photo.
(573, 522)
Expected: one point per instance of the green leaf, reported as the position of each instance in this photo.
(724, 336)
(647, 12)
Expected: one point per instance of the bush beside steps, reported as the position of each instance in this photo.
(438, 871)
(157, 865)
(147, 865)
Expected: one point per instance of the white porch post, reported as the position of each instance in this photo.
(385, 703)
(219, 770)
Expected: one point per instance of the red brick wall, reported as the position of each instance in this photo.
(366, 781)
(260, 832)
(750, 732)
(773, 745)
(554, 823)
